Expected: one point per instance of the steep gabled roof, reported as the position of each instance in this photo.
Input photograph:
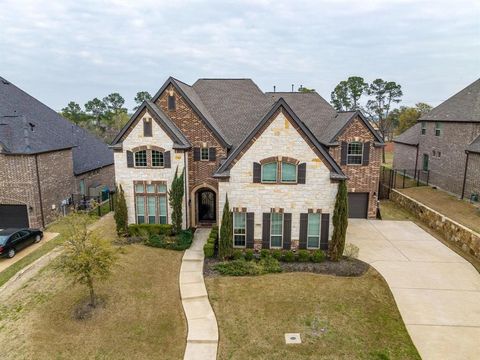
(411, 136)
(21, 113)
(464, 106)
(180, 141)
(196, 104)
(281, 103)
(474, 145)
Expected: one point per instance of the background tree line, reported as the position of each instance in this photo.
(103, 117)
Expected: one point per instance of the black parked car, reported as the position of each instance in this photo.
(13, 240)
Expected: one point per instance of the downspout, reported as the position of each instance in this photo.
(39, 191)
(465, 175)
(416, 163)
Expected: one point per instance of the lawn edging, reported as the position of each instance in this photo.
(467, 239)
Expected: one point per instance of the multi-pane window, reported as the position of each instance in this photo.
(289, 172)
(157, 158)
(141, 158)
(269, 172)
(276, 230)
(438, 128)
(204, 153)
(354, 153)
(313, 231)
(424, 128)
(151, 202)
(239, 229)
(425, 162)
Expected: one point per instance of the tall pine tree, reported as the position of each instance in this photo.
(340, 222)
(175, 198)
(225, 246)
(121, 213)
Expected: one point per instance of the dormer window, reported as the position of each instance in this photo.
(141, 158)
(171, 102)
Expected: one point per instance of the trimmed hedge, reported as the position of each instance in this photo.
(242, 267)
(180, 242)
(150, 229)
(210, 245)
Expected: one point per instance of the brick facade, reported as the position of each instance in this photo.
(472, 181)
(404, 156)
(103, 176)
(189, 122)
(19, 183)
(362, 179)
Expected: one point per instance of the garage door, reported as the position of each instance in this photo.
(15, 216)
(358, 205)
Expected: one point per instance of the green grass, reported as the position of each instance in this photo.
(337, 317)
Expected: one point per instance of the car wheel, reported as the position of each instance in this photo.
(38, 238)
(11, 253)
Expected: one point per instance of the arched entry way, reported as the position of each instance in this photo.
(206, 206)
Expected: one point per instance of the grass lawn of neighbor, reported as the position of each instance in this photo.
(337, 317)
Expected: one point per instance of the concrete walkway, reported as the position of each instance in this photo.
(202, 338)
(436, 290)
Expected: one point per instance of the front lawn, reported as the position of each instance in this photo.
(142, 317)
(337, 317)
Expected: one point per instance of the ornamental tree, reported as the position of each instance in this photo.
(121, 212)
(175, 198)
(340, 222)
(225, 246)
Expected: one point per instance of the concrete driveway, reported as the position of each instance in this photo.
(436, 290)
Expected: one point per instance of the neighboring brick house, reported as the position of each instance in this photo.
(277, 156)
(446, 141)
(44, 159)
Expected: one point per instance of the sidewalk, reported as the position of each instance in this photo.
(202, 338)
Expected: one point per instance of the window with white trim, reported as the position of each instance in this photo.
(239, 229)
(204, 154)
(289, 172)
(354, 153)
(423, 130)
(438, 129)
(151, 202)
(141, 158)
(269, 172)
(313, 231)
(276, 230)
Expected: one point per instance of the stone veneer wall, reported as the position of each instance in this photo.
(125, 176)
(362, 179)
(280, 138)
(467, 239)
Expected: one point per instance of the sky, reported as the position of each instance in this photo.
(59, 51)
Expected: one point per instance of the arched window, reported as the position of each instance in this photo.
(289, 172)
(269, 172)
(141, 158)
(157, 159)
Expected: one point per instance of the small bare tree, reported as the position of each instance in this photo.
(86, 258)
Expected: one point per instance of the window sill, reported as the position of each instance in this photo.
(239, 247)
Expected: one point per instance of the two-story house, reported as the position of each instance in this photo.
(446, 142)
(277, 156)
(44, 159)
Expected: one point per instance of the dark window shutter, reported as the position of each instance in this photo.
(166, 159)
(266, 231)
(129, 159)
(196, 154)
(366, 153)
(302, 173)
(212, 154)
(171, 102)
(343, 155)
(324, 231)
(147, 127)
(287, 231)
(302, 244)
(250, 229)
(257, 173)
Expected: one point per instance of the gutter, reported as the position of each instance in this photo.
(465, 174)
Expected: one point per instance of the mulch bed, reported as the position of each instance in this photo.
(344, 267)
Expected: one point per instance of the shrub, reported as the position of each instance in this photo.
(270, 265)
(277, 254)
(249, 254)
(181, 241)
(264, 253)
(318, 256)
(149, 229)
(351, 251)
(239, 267)
(121, 213)
(237, 254)
(175, 197)
(225, 244)
(209, 250)
(288, 256)
(303, 256)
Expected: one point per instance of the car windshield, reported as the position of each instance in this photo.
(3, 239)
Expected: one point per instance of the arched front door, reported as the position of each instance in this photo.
(206, 206)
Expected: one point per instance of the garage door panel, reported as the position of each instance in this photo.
(358, 205)
(15, 216)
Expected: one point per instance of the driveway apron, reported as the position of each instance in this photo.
(436, 290)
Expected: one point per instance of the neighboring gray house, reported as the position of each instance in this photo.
(44, 159)
(446, 141)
